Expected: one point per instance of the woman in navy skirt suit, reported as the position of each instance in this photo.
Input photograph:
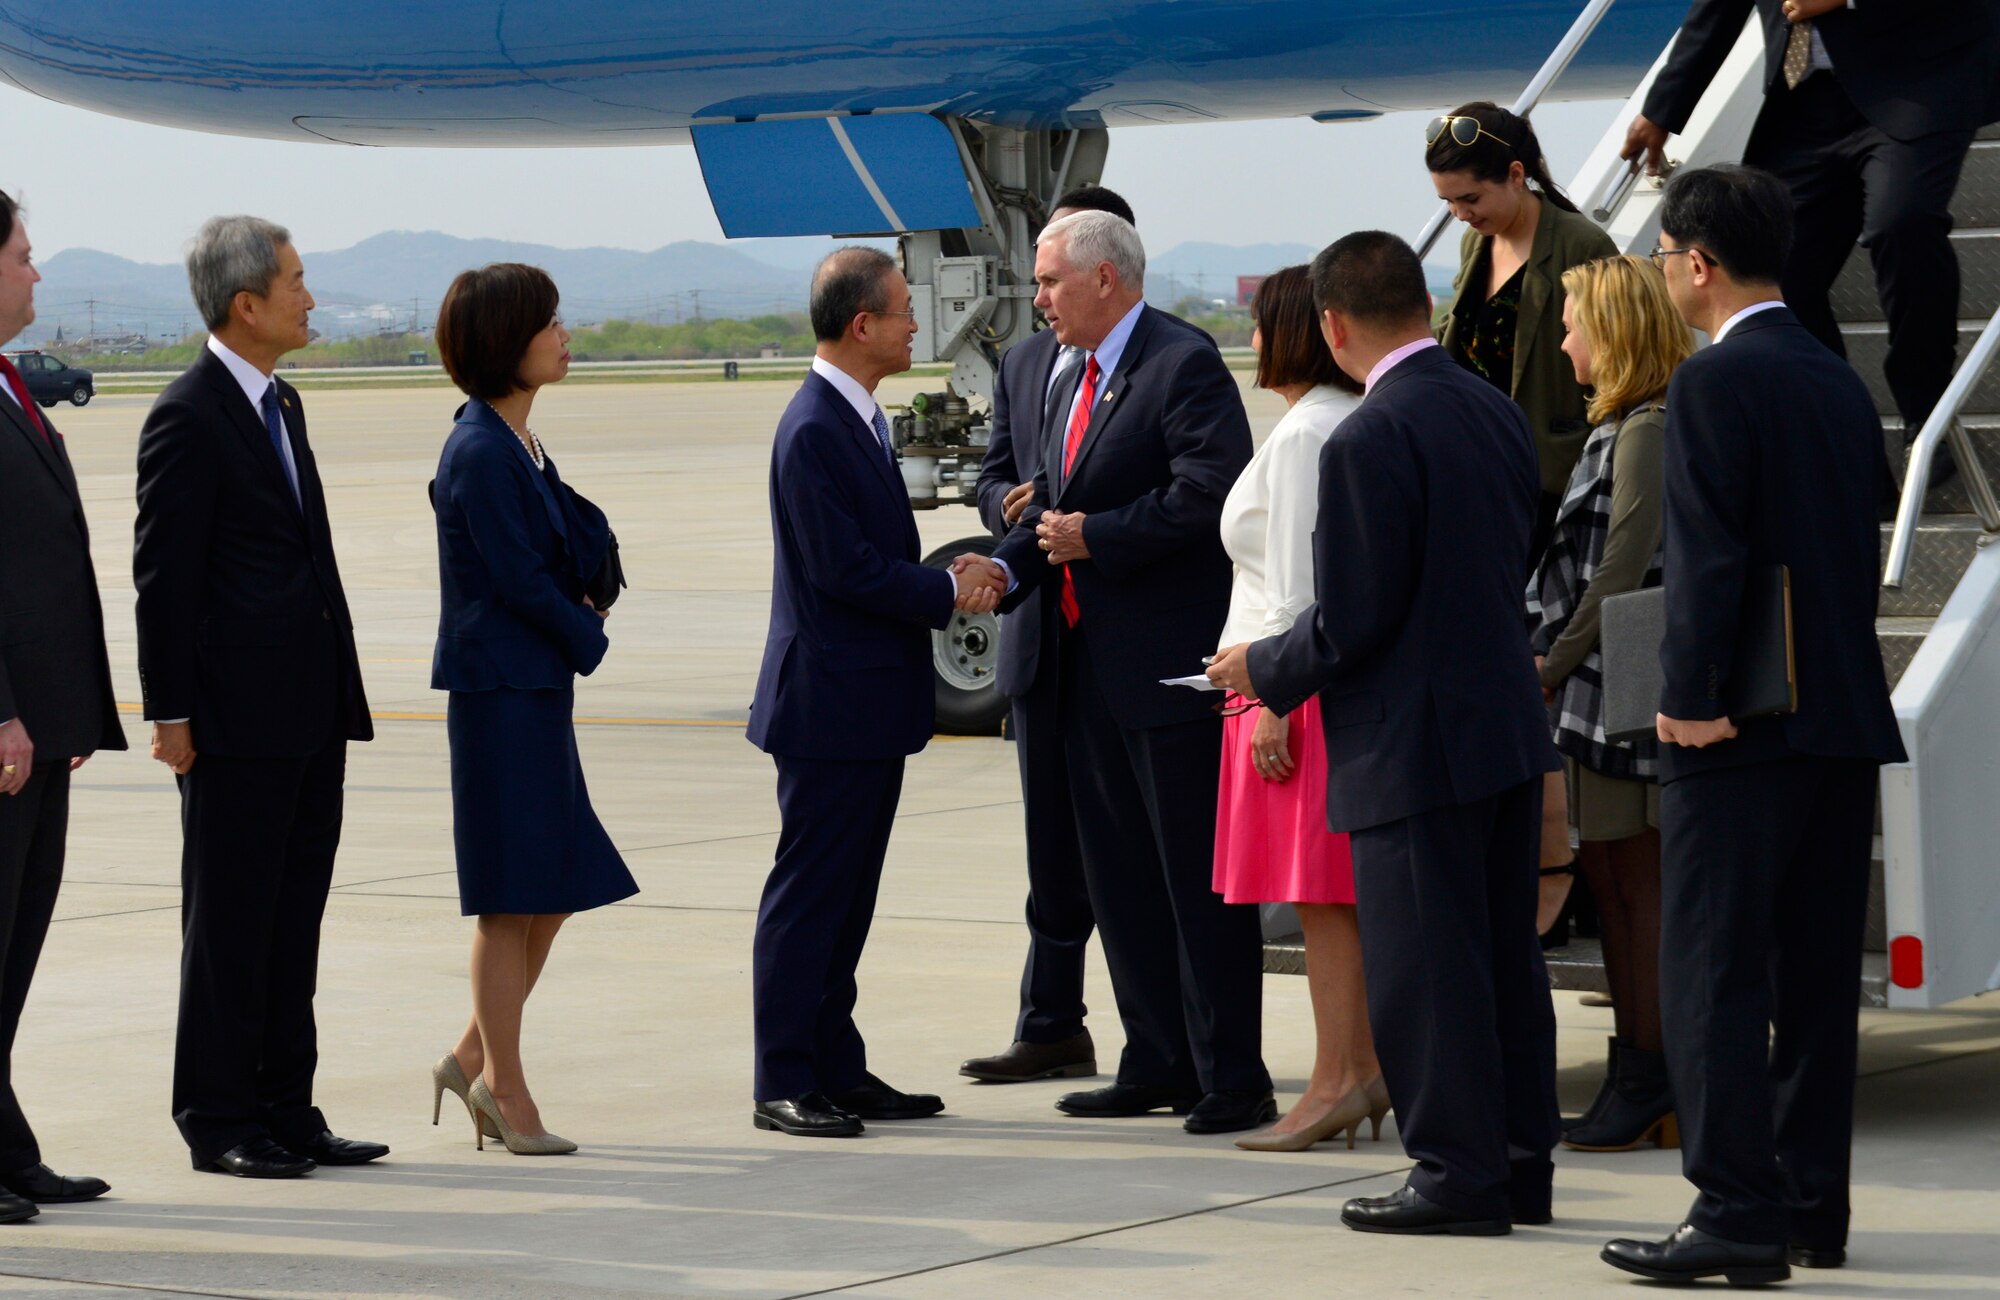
(516, 549)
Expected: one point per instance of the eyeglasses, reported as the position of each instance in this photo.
(911, 314)
(1464, 130)
(1229, 710)
(1660, 255)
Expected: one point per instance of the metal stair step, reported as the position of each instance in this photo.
(1868, 344)
(1977, 202)
(1951, 499)
(1978, 268)
(1945, 545)
(1900, 635)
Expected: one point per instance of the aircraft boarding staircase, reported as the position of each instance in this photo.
(1933, 932)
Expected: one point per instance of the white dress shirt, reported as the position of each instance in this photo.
(1746, 314)
(255, 383)
(1268, 517)
(849, 387)
(1109, 353)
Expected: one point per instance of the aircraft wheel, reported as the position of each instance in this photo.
(965, 659)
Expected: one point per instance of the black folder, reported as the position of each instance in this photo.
(1762, 681)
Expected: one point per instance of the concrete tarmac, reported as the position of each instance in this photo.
(638, 1040)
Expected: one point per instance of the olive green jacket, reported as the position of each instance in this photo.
(1545, 384)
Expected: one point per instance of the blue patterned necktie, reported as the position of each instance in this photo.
(882, 436)
(274, 424)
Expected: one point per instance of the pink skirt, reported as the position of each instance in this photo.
(1271, 840)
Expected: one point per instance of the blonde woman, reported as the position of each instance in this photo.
(1625, 340)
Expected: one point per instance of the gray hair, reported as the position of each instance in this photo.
(232, 255)
(1096, 237)
(849, 281)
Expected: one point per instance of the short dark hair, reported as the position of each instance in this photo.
(1294, 352)
(1372, 276)
(486, 322)
(849, 281)
(1738, 216)
(10, 212)
(1504, 139)
(1095, 198)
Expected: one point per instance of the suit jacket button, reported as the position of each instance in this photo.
(326, 614)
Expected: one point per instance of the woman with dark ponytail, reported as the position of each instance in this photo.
(1505, 322)
(1506, 325)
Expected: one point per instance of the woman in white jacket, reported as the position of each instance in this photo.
(1272, 844)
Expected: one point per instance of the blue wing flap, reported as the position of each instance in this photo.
(834, 176)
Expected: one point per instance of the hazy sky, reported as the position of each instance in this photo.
(139, 191)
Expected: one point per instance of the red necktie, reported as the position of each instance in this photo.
(20, 391)
(1079, 420)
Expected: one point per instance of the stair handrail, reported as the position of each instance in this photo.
(1943, 423)
(1538, 85)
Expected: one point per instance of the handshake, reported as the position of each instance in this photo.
(981, 583)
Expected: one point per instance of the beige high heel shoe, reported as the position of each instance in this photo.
(483, 1105)
(1346, 1116)
(1378, 1104)
(449, 1076)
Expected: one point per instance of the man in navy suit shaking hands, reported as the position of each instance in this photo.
(844, 696)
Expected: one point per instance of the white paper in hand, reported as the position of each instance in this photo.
(1197, 682)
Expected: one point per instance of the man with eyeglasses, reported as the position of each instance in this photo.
(1774, 456)
(1869, 110)
(844, 697)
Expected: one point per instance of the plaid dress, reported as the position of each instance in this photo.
(1582, 524)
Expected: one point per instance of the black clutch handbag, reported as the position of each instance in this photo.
(604, 585)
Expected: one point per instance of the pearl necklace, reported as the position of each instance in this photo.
(529, 443)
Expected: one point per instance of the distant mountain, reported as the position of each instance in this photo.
(391, 279)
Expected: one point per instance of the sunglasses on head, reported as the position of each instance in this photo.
(1464, 130)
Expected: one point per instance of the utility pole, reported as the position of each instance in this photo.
(92, 304)
(416, 321)
(696, 295)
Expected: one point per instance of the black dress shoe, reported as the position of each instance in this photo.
(1406, 1211)
(1231, 1110)
(45, 1186)
(326, 1149)
(1691, 1254)
(1072, 1058)
(810, 1115)
(1815, 1256)
(15, 1209)
(1124, 1100)
(260, 1157)
(874, 1099)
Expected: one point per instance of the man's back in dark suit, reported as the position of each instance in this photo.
(1436, 746)
(1773, 457)
(1428, 696)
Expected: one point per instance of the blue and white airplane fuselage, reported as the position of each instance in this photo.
(599, 72)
